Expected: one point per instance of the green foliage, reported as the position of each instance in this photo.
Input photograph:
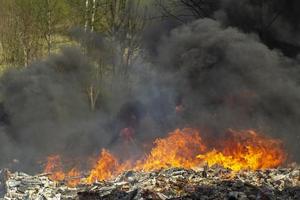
(26, 26)
(31, 30)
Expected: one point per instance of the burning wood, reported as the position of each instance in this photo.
(54, 168)
(185, 148)
(181, 166)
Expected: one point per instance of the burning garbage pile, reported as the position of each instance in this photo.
(242, 165)
(173, 183)
(185, 149)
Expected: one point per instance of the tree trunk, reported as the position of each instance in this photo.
(49, 28)
(86, 15)
(93, 16)
(93, 94)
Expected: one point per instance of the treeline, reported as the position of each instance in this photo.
(33, 29)
(108, 32)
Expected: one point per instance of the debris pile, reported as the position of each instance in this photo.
(21, 186)
(204, 183)
(172, 184)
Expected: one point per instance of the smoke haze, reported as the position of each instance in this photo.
(224, 78)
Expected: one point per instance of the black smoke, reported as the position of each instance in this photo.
(218, 73)
(275, 22)
(48, 111)
(229, 79)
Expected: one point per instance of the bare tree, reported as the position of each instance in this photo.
(20, 37)
(52, 20)
(93, 15)
(123, 21)
(87, 2)
(186, 10)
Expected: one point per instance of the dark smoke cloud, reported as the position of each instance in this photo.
(228, 79)
(219, 77)
(277, 22)
(48, 110)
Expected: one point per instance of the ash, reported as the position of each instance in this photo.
(172, 184)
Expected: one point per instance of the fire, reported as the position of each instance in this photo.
(185, 148)
(73, 177)
(106, 167)
(246, 150)
(54, 168)
(179, 149)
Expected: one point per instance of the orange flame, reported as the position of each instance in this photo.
(54, 167)
(106, 167)
(73, 177)
(246, 150)
(179, 149)
(185, 148)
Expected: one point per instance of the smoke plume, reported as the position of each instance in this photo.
(203, 74)
(228, 79)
